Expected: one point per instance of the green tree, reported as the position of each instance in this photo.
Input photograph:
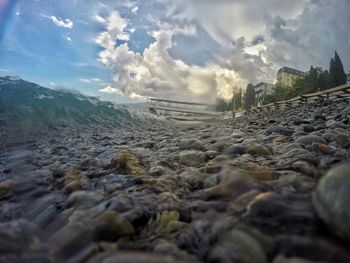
(220, 105)
(249, 96)
(237, 99)
(336, 71)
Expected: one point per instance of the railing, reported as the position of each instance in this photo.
(182, 110)
(339, 92)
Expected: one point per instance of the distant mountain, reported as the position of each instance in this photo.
(28, 106)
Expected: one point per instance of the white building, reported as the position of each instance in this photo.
(263, 89)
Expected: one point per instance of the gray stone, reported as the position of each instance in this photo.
(342, 140)
(237, 246)
(310, 139)
(280, 130)
(332, 198)
(332, 124)
(192, 158)
(238, 149)
(191, 144)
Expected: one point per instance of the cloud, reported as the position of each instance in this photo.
(110, 90)
(65, 23)
(155, 73)
(251, 45)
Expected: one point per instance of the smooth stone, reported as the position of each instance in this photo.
(291, 213)
(73, 186)
(295, 120)
(237, 246)
(259, 172)
(332, 198)
(308, 128)
(211, 154)
(194, 178)
(131, 257)
(156, 171)
(279, 140)
(310, 139)
(321, 148)
(331, 124)
(90, 162)
(342, 140)
(128, 162)
(237, 134)
(283, 259)
(192, 158)
(191, 144)
(280, 130)
(83, 199)
(166, 222)
(236, 149)
(258, 150)
(111, 225)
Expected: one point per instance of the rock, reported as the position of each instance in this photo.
(210, 154)
(236, 149)
(131, 257)
(73, 186)
(167, 248)
(259, 150)
(111, 225)
(166, 223)
(5, 188)
(191, 144)
(259, 172)
(295, 120)
(342, 140)
(194, 178)
(308, 128)
(280, 130)
(90, 162)
(83, 199)
(310, 139)
(145, 144)
(279, 140)
(331, 124)
(192, 158)
(235, 247)
(127, 162)
(321, 148)
(290, 213)
(331, 200)
(283, 259)
(156, 171)
(230, 190)
(58, 173)
(237, 134)
(218, 160)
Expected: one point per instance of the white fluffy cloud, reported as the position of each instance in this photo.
(254, 38)
(66, 23)
(154, 72)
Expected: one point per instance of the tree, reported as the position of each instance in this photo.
(220, 105)
(237, 100)
(336, 71)
(249, 96)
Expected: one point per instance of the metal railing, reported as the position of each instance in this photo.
(339, 92)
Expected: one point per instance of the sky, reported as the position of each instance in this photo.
(195, 50)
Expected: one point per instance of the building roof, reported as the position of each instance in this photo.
(262, 83)
(292, 71)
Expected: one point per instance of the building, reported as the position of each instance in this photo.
(287, 76)
(263, 89)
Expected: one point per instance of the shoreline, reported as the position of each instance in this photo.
(210, 192)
